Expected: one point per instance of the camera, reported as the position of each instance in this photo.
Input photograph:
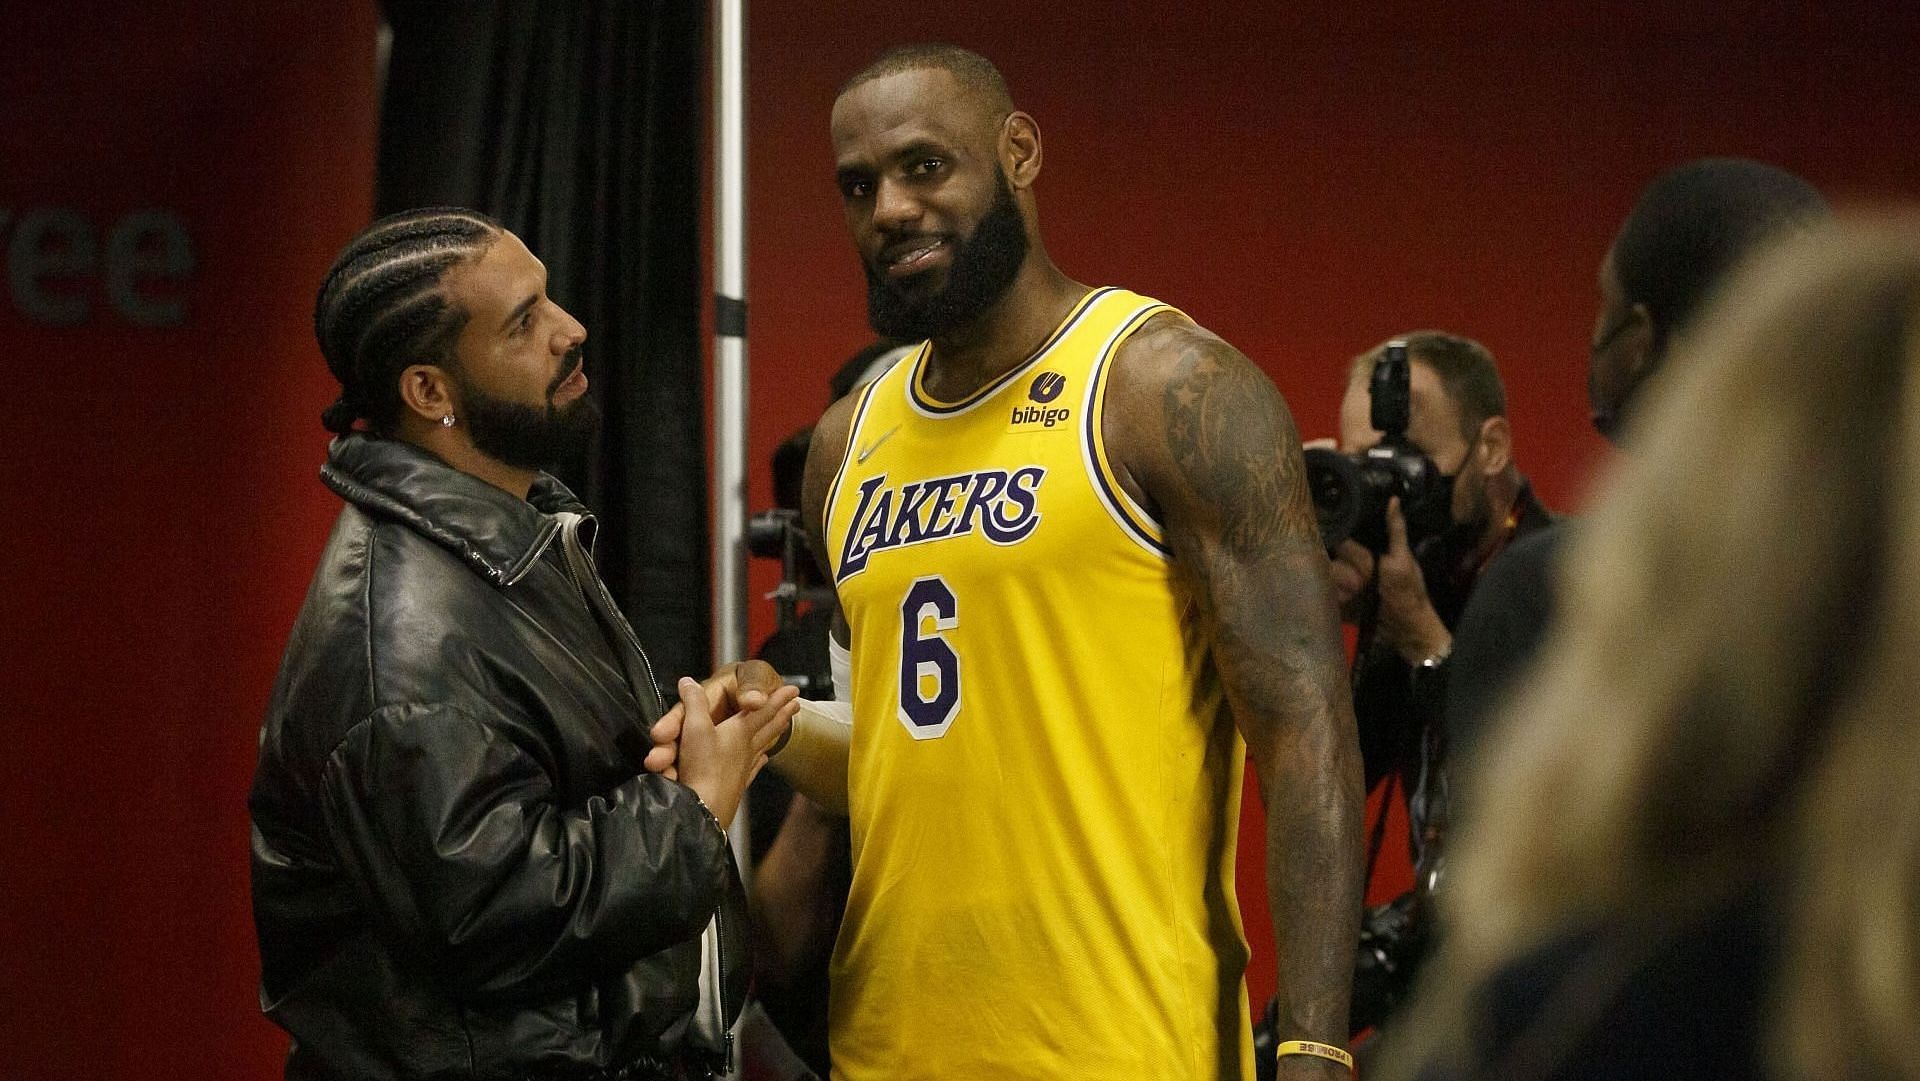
(1350, 491)
(776, 534)
(1395, 939)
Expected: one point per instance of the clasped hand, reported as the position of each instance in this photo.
(716, 737)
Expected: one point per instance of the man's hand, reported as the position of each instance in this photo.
(731, 689)
(1352, 571)
(1407, 620)
(718, 759)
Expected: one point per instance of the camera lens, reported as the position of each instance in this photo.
(767, 532)
(1335, 483)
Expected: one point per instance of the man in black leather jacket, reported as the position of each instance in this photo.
(475, 852)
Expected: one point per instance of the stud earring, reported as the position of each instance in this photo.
(446, 421)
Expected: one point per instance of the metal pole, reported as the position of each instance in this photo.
(730, 346)
(730, 332)
(730, 360)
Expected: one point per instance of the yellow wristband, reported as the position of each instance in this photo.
(1318, 1050)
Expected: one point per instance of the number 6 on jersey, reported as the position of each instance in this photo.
(929, 668)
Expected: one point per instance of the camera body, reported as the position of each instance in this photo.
(777, 534)
(1350, 491)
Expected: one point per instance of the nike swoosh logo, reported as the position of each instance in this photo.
(861, 457)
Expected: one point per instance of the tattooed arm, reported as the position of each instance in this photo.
(1207, 443)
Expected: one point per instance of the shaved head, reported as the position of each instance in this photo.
(976, 76)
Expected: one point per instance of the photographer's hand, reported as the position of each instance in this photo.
(1352, 570)
(1407, 619)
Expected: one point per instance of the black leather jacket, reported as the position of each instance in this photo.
(457, 869)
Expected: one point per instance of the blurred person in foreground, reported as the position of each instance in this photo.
(1696, 849)
(1687, 232)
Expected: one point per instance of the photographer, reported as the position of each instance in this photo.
(1403, 576)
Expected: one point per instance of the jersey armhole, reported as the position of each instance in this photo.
(1129, 515)
(840, 474)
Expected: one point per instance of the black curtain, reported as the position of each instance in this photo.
(577, 124)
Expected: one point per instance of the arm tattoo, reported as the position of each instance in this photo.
(1231, 435)
(1250, 528)
(1243, 531)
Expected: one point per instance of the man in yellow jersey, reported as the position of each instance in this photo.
(1079, 567)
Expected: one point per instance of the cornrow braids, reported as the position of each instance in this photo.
(381, 307)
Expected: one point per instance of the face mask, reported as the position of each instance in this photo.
(1608, 419)
(1608, 416)
(1442, 553)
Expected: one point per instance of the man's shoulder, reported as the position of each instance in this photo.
(402, 560)
(1165, 365)
(384, 590)
(831, 431)
(388, 611)
(826, 449)
(1166, 343)
(1530, 560)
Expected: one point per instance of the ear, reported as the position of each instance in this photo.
(1020, 150)
(1496, 445)
(427, 393)
(1637, 344)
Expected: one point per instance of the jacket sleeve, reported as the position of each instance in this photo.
(470, 866)
(1500, 633)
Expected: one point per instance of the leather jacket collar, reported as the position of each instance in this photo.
(499, 536)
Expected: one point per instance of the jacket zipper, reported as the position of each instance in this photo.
(717, 999)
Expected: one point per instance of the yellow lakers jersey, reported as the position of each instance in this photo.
(1044, 785)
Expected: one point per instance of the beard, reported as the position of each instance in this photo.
(984, 266)
(526, 436)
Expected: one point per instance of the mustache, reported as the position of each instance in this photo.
(575, 358)
(904, 242)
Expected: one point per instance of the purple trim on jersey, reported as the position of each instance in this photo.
(1116, 499)
(945, 409)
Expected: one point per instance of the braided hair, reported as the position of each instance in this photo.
(381, 308)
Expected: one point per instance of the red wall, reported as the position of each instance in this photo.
(1306, 185)
(163, 511)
